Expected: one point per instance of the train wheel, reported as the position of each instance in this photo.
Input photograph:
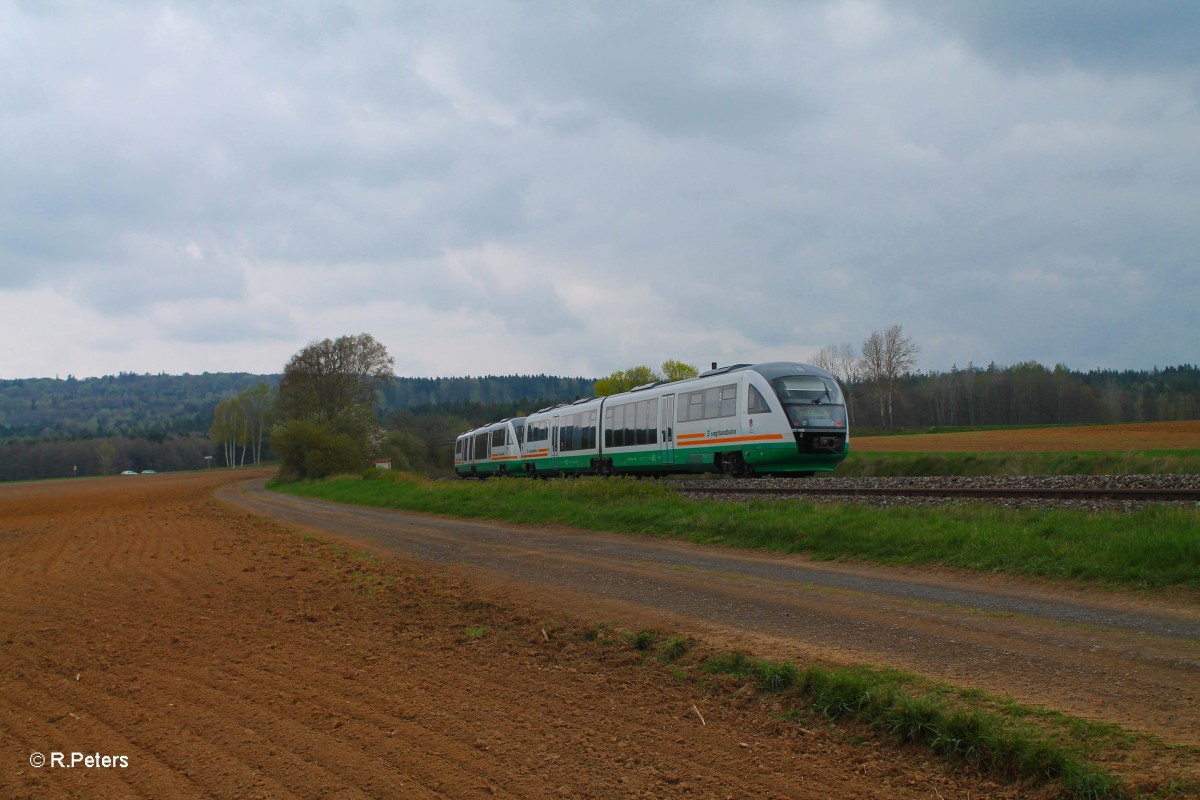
(734, 464)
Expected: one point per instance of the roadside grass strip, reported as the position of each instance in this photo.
(1155, 547)
(898, 705)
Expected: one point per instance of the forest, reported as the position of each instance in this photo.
(51, 427)
(1029, 394)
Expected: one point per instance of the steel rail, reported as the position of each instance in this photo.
(1139, 495)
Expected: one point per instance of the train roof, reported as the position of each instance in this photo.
(779, 369)
(769, 370)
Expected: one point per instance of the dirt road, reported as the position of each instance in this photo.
(222, 653)
(1113, 657)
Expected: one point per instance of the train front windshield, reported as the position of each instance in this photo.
(811, 401)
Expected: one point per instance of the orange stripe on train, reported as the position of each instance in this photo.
(728, 439)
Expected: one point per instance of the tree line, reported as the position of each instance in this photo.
(236, 419)
(126, 405)
(24, 460)
(160, 406)
(884, 392)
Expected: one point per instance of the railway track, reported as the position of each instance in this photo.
(979, 493)
(1084, 492)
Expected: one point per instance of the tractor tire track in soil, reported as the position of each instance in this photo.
(228, 654)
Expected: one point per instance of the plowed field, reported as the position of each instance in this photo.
(210, 652)
(1141, 436)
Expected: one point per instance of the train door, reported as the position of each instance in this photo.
(666, 428)
(554, 442)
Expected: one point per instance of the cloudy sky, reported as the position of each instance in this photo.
(576, 187)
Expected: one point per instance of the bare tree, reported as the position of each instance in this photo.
(872, 367)
(887, 357)
(840, 361)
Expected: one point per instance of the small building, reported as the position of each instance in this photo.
(382, 463)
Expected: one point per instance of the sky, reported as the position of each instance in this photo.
(574, 188)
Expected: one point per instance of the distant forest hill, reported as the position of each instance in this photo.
(156, 407)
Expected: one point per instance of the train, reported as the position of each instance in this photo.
(776, 418)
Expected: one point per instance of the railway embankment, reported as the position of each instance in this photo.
(1078, 492)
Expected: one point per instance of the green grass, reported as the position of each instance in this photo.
(904, 465)
(673, 649)
(1155, 547)
(916, 711)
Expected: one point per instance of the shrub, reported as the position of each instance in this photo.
(309, 450)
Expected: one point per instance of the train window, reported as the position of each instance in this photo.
(499, 438)
(647, 421)
(727, 405)
(757, 404)
(481, 445)
(719, 401)
(630, 424)
(574, 434)
(589, 431)
(802, 387)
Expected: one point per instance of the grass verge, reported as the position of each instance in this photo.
(1155, 547)
(911, 710)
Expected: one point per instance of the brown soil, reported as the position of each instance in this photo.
(225, 654)
(1140, 436)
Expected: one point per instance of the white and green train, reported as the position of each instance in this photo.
(745, 419)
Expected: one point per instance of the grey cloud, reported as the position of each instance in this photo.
(776, 174)
(228, 324)
(1111, 35)
(673, 69)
